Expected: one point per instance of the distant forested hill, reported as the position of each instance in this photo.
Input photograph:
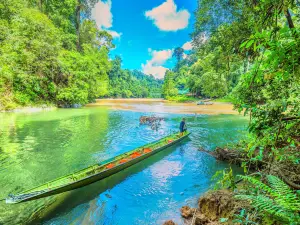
(125, 83)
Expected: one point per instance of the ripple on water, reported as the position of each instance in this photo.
(37, 148)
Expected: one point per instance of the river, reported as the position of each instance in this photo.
(41, 146)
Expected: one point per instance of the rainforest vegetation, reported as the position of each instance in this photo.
(51, 52)
(250, 51)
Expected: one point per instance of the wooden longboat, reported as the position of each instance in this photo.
(96, 172)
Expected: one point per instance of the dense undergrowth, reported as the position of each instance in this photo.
(251, 53)
(52, 52)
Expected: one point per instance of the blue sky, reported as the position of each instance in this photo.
(146, 31)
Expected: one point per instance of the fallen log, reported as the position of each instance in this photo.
(224, 154)
(237, 157)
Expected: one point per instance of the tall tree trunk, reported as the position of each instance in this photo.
(228, 68)
(289, 18)
(40, 3)
(78, 24)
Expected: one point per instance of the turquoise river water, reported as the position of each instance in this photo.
(38, 147)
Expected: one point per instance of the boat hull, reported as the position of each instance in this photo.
(93, 178)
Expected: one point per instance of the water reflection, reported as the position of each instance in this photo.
(39, 147)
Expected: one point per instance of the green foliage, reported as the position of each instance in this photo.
(224, 99)
(40, 61)
(223, 220)
(131, 84)
(277, 199)
(251, 53)
(225, 179)
(86, 75)
(169, 89)
(245, 218)
(213, 84)
(28, 60)
(178, 54)
(182, 98)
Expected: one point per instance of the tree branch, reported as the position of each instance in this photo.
(289, 18)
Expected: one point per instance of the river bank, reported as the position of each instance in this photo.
(29, 109)
(147, 105)
(165, 106)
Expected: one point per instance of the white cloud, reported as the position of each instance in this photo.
(114, 34)
(167, 18)
(156, 71)
(187, 46)
(103, 17)
(155, 66)
(160, 57)
(101, 13)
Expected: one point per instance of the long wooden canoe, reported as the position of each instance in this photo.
(96, 172)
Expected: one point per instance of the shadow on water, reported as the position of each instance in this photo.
(41, 147)
(85, 194)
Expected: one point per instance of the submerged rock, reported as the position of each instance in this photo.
(169, 222)
(108, 195)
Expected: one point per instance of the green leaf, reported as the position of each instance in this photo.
(243, 44)
(223, 220)
(249, 43)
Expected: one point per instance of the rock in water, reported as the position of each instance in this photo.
(108, 195)
(215, 205)
(187, 212)
(201, 220)
(169, 222)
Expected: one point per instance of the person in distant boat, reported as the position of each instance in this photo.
(182, 126)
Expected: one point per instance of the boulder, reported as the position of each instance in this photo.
(187, 212)
(169, 222)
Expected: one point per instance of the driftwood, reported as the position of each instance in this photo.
(150, 119)
(287, 172)
(224, 154)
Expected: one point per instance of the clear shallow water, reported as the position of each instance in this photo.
(36, 148)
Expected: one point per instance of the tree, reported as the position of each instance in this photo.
(169, 88)
(39, 69)
(213, 84)
(126, 83)
(178, 54)
(89, 34)
(253, 48)
(28, 60)
(82, 7)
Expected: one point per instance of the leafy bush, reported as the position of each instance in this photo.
(225, 179)
(276, 200)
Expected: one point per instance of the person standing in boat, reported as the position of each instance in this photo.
(182, 126)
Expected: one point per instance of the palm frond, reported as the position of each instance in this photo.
(267, 205)
(276, 200)
(258, 184)
(284, 195)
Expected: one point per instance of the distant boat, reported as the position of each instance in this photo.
(204, 103)
(97, 172)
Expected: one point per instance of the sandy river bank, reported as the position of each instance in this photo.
(163, 106)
